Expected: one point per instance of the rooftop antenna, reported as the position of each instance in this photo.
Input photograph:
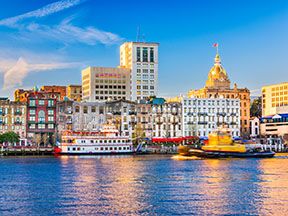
(143, 38)
(138, 34)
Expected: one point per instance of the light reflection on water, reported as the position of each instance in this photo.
(143, 185)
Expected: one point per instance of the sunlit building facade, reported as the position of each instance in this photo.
(74, 92)
(203, 115)
(218, 86)
(103, 84)
(142, 59)
(275, 99)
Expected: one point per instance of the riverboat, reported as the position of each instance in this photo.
(220, 144)
(106, 141)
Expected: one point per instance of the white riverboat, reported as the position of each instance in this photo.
(107, 141)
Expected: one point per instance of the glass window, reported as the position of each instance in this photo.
(41, 116)
(138, 54)
(145, 54)
(50, 112)
(32, 103)
(50, 103)
(32, 112)
(41, 102)
(152, 54)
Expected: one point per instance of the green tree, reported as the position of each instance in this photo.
(9, 137)
(256, 107)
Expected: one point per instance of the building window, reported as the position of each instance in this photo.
(50, 126)
(138, 54)
(85, 109)
(50, 112)
(151, 54)
(41, 126)
(41, 102)
(32, 126)
(32, 112)
(41, 116)
(77, 109)
(32, 103)
(32, 118)
(50, 103)
(145, 54)
(50, 118)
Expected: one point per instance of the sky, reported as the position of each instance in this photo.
(49, 42)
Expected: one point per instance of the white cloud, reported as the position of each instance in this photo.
(66, 32)
(16, 73)
(41, 12)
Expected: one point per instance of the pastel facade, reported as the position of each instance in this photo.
(13, 117)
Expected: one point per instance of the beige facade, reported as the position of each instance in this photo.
(275, 99)
(104, 84)
(74, 92)
(142, 59)
(13, 117)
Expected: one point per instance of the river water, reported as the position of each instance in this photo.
(143, 185)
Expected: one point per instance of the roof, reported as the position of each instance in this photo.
(284, 115)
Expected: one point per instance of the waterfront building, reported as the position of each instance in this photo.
(41, 116)
(254, 127)
(275, 125)
(167, 119)
(64, 116)
(103, 83)
(55, 88)
(142, 59)
(275, 99)
(122, 114)
(74, 92)
(88, 116)
(13, 117)
(218, 86)
(200, 116)
(144, 118)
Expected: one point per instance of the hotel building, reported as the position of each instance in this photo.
(202, 115)
(142, 59)
(103, 83)
(218, 86)
(275, 99)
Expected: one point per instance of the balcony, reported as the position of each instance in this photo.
(233, 114)
(233, 123)
(132, 113)
(202, 114)
(144, 113)
(202, 123)
(17, 123)
(190, 122)
(221, 113)
(17, 113)
(116, 113)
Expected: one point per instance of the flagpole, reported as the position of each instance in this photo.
(217, 48)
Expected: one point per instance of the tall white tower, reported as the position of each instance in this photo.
(142, 59)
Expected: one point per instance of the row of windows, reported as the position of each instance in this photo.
(41, 112)
(145, 93)
(41, 126)
(41, 102)
(102, 148)
(211, 103)
(106, 98)
(144, 56)
(110, 87)
(104, 141)
(110, 81)
(145, 87)
(110, 92)
(144, 71)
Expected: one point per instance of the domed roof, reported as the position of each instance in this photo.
(217, 77)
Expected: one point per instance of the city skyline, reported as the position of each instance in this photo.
(50, 42)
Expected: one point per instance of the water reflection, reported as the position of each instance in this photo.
(143, 185)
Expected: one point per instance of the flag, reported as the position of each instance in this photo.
(215, 45)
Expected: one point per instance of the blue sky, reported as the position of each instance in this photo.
(49, 42)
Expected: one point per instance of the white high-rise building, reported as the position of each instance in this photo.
(142, 59)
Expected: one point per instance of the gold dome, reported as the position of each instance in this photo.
(217, 77)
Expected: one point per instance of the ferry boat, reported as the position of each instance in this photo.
(220, 144)
(106, 141)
